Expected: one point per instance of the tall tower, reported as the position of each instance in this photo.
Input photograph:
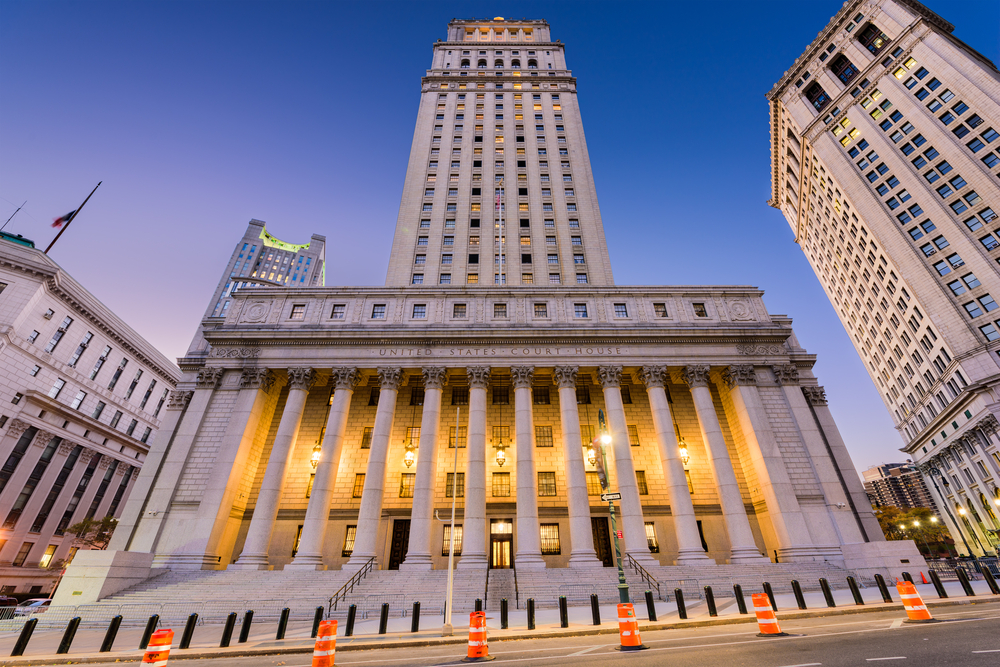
(885, 154)
(499, 188)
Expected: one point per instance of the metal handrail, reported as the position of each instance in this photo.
(349, 586)
(517, 597)
(486, 587)
(643, 574)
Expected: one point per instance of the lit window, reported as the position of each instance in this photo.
(550, 539)
(546, 484)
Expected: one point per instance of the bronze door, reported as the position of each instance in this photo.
(602, 541)
(400, 542)
(501, 544)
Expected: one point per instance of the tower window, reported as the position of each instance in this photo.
(843, 69)
(817, 96)
(873, 39)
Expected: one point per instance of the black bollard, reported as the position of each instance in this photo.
(827, 593)
(963, 577)
(479, 604)
(352, 613)
(595, 608)
(227, 631)
(383, 619)
(189, 631)
(797, 591)
(710, 601)
(282, 623)
(882, 588)
(907, 577)
(22, 639)
(938, 586)
(650, 606)
(990, 581)
(151, 624)
(109, 636)
(531, 613)
(245, 628)
(563, 612)
(503, 614)
(770, 596)
(317, 619)
(682, 611)
(855, 591)
(741, 602)
(67, 638)
(415, 616)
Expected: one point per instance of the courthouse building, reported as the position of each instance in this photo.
(885, 156)
(325, 427)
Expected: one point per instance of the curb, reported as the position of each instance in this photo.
(401, 642)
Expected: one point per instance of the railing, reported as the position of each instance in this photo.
(347, 588)
(517, 596)
(486, 587)
(649, 579)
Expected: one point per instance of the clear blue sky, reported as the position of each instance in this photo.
(201, 115)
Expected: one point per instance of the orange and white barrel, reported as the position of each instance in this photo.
(325, 650)
(767, 622)
(628, 628)
(479, 650)
(916, 610)
(158, 650)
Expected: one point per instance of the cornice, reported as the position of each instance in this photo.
(113, 436)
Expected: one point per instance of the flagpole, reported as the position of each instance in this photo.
(13, 214)
(73, 217)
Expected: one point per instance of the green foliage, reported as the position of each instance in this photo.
(931, 537)
(94, 533)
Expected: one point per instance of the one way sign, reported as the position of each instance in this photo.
(611, 496)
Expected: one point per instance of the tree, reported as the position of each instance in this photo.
(915, 524)
(94, 533)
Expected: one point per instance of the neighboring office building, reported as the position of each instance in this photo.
(897, 485)
(81, 398)
(885, 156)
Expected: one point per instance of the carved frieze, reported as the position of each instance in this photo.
(434, 377)
(741, 374)
(815, 395)
(565, 376)
(208, 377)
(989, 425)
(521, 376)
(653, 376)
(786, 374)
(85, 456)
(695, 376)
(609, 376)
(178, 400)
(66, 447)
(236, 352)
(758, 349)
(42, 438)
(479, 376)
(301, 378)
(257, 311)
(389, 378)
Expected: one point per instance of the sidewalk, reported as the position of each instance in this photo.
(41, 648)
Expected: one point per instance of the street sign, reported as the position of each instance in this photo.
(611, 496)
(620, 536)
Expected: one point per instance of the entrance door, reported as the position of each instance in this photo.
(501, 544)
(602, 541)
(400, 542)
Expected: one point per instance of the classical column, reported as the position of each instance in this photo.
(62, 502)
(419, 549)
(581, 532)
(743, 548)
(111, 490)
(258, 540)
(85, 500)
(474, 518)
(689, 549)
(529, 550)
(24, 468)
(15, 430)
(370, 512)
(787, 519)
(310, 553)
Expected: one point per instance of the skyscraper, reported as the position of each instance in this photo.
(885, 154)
(898, 485)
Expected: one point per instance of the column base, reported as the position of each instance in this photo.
(251, 562)
(306, 562)
(584, 559)
(187, 562)
(747, 555)
(417, 562)
(529, 561)
(694, 557)
(357, 560)
(643, 558)
(472, 562)
(804, 554)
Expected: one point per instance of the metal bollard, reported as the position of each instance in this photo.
(22, 639)
(882, 588)
(650, 606)
(682, 611)
(151, 624)
(227, 631)
(907, 577)
(710, 601)
(415, 622)
(109, 636)
(67, 638)
(531, 613)
(741, 602)
(855, 591)
(990, 581)
(770, 596)
(595, 609)
(352, 613)
(827, 593)
(189, 631)
(563, 612)
(938, 586)
(383, 619)
(797, 591)
(317, 619)
(963, 577)
(479, 604)
(245, 628)
(282, 623)
(503, 614)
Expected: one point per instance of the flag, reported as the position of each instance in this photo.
(58, 222)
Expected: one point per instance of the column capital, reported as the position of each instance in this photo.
(120, 470)
(257, 378)
(521, 376)
(105, 462)
(178, 400)
(695, 376)
(85, 456)
(344, 377)
(565, 376)
(42, 438)
(786, 374)
(740, 374)
(479, 376)
(609, 376)
(208, 378)
(66, 447)
(653, 376)
(434, 377)
(989, 425)
(815, 395)
(301, 378)
(17, 427)
(389, 378)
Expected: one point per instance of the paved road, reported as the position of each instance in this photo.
(966, 637)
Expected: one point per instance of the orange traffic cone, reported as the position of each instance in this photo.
(479, 650)
(158, 649)
(767, 622)
(923, 579)
(916, 610)
(324, 652)
(628, 629)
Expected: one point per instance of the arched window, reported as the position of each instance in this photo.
(873, 39)
(465, 63)
(498, 64)
(481, 64)
(819, 99)
(532, 64)
(516, 64)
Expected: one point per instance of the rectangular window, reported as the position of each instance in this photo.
(501, 396)
(419, 311)
(499, 310)
(541, 310)
(546, 484)
(455, 485)
(540, 395)
(501, 485)
(98, 410)
(406, 481)
(543, 436)
(654, 546)
(640, 480)
(298, 312)
(593, 484)
(57, 336)
(580, 310)
(359, 485)
(78, 400)
(621, 310)
(583, 395)
(660, 309)
(550, 539)
(462, 437)
(459, 395)
(378, 311)
(352, 532)
(633, 435)
(446, 542)
(57, 387)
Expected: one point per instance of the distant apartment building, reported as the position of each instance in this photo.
(897, 485)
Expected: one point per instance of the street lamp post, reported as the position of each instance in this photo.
(937, 473)
(602, 440)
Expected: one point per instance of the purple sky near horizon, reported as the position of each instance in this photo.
(199, 116)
